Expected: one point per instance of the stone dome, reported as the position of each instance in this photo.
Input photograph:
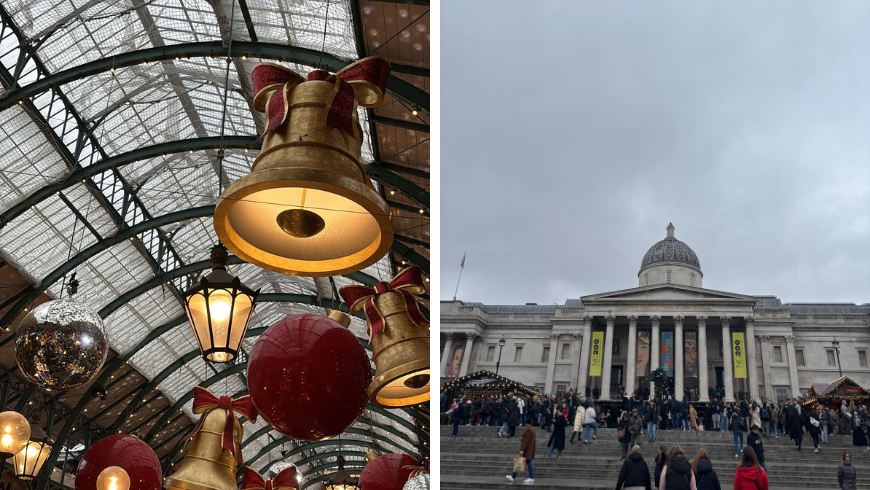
(670, 250)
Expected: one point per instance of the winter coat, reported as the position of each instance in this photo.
(660, 464)
(744, 409)
(795, 426)
(527, 443)
(579, 417)
(750, 479)
(673, 405)
(847, 477)
(636, 426)
(706, 479)
(591, 416)
(503, 411)
(624, 425)
(558, 436)
(736, 422)
(634, 473)
(513, 417)
(680, 477)
(814, 431)
(758, 448)
(521, 405)
(651, 415)
(756, 417)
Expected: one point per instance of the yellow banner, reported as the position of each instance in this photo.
(597, 359)
(739, 355)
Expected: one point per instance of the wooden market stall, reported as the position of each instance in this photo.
(831, 394)
(487, 383)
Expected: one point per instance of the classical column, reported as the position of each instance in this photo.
(608, 357)
(703, 380)
(765, 366)
(575, 361)
(750, 354)
(726, 358)
(551, 364)
(792, 366)
(656, 348)
(584, 355)
(447, 355)
(679, 354)
(632, 355)
(466, 356)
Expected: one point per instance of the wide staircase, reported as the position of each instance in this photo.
(478, 459)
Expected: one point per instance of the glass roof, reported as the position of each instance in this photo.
(107, 113)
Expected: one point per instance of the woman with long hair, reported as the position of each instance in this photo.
(755, 415)
(796, 428)
(750, 475)
(858, 437)
(625, 427)
(557, 439)
(661, 461)
(705, 475)
(846, 475)
(678, 472)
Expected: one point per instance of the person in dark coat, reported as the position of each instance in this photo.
(846, 474)
(634, 472)
(796, 428)
(625, 427)
(513, 419)
(677, 474)
(858, 437)
(813, 429)
(557, 439)
(661, 461)
(503, 413)
(705, 475)
(754, 441)
(745, 414)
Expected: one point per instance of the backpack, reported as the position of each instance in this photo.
(765, 414)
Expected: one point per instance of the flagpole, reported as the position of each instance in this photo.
(462, 266)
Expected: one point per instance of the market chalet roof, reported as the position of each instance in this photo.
(110, 122)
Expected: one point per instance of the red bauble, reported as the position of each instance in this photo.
(386, 473)
(128, 452)
(307, 376)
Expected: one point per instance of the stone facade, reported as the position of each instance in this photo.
(549, 346)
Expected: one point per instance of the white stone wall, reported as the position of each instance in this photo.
(679, 275)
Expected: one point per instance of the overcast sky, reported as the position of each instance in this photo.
(574, 132)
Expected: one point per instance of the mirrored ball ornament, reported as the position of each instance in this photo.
(419, 482)
(60, 345)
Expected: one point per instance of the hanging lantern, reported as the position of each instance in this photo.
(399, 336)
(113, 478)
(29, 460)
(341, 480)
(219, 309)
(14, 434)
(307, 207)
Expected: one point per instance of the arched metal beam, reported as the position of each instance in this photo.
(309, 445)
(321, 479)
(397, 87)
(353, 430)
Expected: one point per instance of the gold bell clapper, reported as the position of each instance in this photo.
(399, 334)
(308, 207)
(211, 460)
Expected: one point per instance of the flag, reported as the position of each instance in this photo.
(463, 260)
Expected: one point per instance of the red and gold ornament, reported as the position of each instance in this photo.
(125, 451)
(390, 472)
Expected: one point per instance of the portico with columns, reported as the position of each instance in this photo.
(787, 346)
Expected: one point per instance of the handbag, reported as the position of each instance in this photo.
(520, 464)
(815, 422)
(620, 434)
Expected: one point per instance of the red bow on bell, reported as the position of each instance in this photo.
(204, 401)
(363, 82)
(285, 479)
(408, 282)
(417, 468)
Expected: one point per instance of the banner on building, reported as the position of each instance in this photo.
(690, 354)
(739, 355)
(643, 345)
(668, 353)
(597, 358)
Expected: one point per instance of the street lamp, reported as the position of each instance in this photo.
(500, 347)
(836, 345)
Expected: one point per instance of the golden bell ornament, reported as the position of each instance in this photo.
(370, 456)
(308, 207)
(399, 336)
(214, 454)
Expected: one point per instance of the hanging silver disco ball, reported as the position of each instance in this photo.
(419, 482)
(60, 345)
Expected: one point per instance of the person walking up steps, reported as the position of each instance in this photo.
(846, 474)
(737, 429)
(815, 428)
(590, 420)
(634, 474)
(754, 441)
(527, 450)
(705, 475)
(557, 439)
(623, 433)
(651, 417)
(661, 461)
(677, 474)
(750, 475)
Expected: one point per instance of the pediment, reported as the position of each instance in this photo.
(667, 292)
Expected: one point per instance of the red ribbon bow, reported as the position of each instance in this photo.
(417, 468)
(363, 82)
(205, 401)
(285, 479)
(408, 282)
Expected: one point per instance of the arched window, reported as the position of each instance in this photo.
(669, 277)
(692, 278)
(646, 279)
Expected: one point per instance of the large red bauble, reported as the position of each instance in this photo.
(128, 452)
(307, 376)
(386, 473)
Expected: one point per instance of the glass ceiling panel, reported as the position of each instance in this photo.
(302, 22)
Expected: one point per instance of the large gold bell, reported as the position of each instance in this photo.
(401, 356)
(206, 466)
(307, 207)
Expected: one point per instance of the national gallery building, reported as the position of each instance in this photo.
(701, 337)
